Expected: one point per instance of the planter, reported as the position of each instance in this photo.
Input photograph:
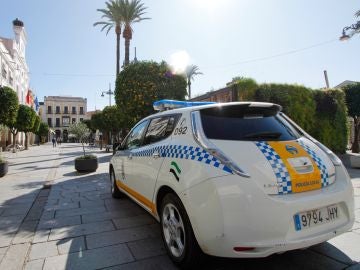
(86, 164)
(4, 167)
(355, 160)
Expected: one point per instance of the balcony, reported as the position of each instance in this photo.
(73, 112)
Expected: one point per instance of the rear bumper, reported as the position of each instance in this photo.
(231, 211)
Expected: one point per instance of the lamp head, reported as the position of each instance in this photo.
(102, 94)
(344, 36)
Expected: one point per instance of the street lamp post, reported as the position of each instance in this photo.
(355, 27)
(110, 93)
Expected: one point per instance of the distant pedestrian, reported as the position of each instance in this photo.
(54, 142)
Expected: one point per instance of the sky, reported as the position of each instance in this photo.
(271, 41)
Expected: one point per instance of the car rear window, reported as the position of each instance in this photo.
(245, 123)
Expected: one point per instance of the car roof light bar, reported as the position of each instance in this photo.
(167, 104)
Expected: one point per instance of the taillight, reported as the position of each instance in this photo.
(241, 249)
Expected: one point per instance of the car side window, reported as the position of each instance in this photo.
(134, 140)
(159, 129)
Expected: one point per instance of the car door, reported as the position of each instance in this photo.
(147, 159)
(123, 157)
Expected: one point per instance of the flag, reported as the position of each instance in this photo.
(36, 102)
(29, 98)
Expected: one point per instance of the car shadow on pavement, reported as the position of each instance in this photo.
(78, 225)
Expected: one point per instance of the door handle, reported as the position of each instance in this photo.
(130, 156)
(156, 155)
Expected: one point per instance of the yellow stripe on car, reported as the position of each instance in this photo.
(149, 204)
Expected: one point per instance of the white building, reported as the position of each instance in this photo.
(61, 111)
(14, 71)
(13, 66)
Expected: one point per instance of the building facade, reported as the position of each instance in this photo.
(14, 71)
(61, 111)
(226, 94)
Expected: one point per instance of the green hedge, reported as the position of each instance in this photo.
(321, 113)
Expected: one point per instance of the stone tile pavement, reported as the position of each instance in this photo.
(77, 225)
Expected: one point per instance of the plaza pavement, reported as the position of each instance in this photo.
(77, 225)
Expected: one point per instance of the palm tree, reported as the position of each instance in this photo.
(113, 16)
(190, 72)
(132, 12)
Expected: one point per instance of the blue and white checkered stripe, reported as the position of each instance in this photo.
(278, 166)
(183, 152)
(323, 170)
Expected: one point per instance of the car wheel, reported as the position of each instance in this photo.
(177, 233)
(115, 191)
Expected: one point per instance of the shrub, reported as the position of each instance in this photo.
(331, 122)
(321, 113)
(352, 93)
(297, 101)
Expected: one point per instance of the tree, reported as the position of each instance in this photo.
(132, 12)
(25, 121)
(113, 16)
(43, 130)
(96, 122)
(142, 83)
(9, 105)
(357, 14)
(190, 72)
(112, 120)
(36, 126)
(245, 87)
(81, 132)
(352, 96)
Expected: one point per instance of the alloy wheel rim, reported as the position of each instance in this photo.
(173, 229)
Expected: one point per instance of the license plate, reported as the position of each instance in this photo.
(316, 217)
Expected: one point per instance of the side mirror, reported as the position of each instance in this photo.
(119, 147)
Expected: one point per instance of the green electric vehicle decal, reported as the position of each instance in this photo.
(177, 168)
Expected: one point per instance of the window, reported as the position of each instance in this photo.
(49, 109)
(135, 137)
(66, 109)
(65, 121)
(244, 123)
(49, 122)
(81, 119)
(73, 110)
(159, 129)
(4, 73)
(57, 109)
(81, 110)
(73, 120)
(57, 122)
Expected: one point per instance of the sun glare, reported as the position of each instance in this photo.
(209, 5)
(178, 61)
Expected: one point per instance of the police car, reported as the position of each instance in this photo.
(236, 179)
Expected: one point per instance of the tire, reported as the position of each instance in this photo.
(177, 233)
(115, 191)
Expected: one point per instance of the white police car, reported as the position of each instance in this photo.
(232, 180)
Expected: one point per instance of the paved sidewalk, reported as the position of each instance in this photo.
(77, 225)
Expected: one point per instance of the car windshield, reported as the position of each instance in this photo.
(245, 123)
